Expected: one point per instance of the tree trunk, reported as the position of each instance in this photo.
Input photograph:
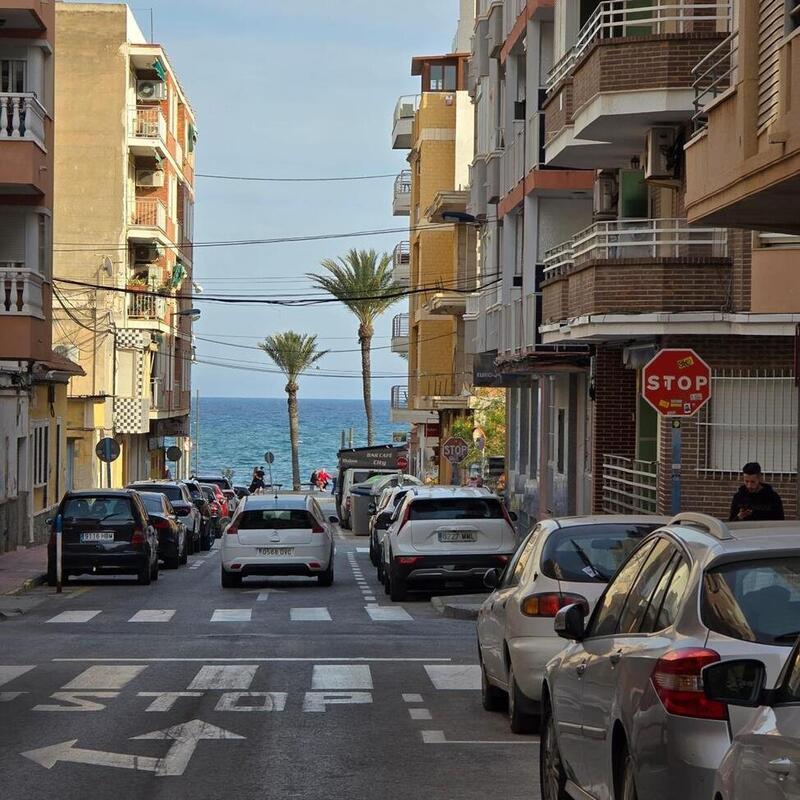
(365, 340)
(294, 434)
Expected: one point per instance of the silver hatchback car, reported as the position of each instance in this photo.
(624, 711)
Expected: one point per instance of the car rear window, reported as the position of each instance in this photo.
(590, 553)
(275, 519)
(116, 509)
(172, 492)
(221, 482)
(456, 508)
(153, 504)
(755, 601)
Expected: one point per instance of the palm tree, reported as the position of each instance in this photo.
(363, 281)
(293, 353)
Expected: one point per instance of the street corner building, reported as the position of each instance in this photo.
(124, 210)
(33, 377)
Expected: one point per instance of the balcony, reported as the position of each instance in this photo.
(629, 70)
(402, 126)
(400, 334)
(22, 117)
(24, 133)
(148, 214)
(20, 291)
(635, 266)
(147, 135)
(401, 205)
(146, 306)
(401, 264)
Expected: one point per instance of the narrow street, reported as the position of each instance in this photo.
(279, 689)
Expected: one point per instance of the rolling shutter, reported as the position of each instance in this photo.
(770, 35)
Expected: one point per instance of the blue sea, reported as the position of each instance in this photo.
(236, 432)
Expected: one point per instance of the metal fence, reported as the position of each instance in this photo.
(630, 486)
(713, 75)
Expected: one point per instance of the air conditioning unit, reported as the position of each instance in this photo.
(661, 159)
(150, 177)
(151, 90)
(606, 194)
(147, 253)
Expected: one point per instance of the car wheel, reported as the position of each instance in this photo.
(373, 556)
(145, 574)
(552, 777)
(626, 782)
(492, 698)
(326, 578)
(172, 563)
(379, 570)
(397, 586)
(520, 719)
(230, 580)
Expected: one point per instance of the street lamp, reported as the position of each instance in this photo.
(194, 313)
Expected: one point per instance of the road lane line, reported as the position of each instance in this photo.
(74, 616)
(224, 677)
(388, 614)
(105, 677)
(7, 674)
(419, 713)
(412, 698)
(346, 676)
(263, 659)
(457, 676)
(232, 615)
(309, 615)
(153, 615)
(438, 737)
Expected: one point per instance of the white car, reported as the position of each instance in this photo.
(281, 535)
(388, 502)
(445, 537)
(764, 758)
(561, 561)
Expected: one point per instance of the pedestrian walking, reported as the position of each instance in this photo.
(257, 484)
(755, 500)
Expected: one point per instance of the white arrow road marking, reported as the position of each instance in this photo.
(185, 738)
(7, 674)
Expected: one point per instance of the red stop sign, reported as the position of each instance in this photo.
(676, 382)
(402, 462)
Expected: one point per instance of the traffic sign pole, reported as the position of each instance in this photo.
(59, 548)
(675, 505)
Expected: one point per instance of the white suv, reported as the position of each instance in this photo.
(443, 537)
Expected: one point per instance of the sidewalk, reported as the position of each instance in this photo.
(22, 569)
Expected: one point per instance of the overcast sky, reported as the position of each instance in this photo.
(293, 89)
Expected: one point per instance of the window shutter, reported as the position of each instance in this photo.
(770, 35)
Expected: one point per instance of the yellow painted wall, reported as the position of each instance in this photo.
(53, 413)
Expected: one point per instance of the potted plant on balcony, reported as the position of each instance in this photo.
(137, 284)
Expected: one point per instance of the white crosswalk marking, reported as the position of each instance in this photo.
(153, 615)
(388, 613)
(412, 698)
(446, 676)
(232, 615)
(105, 677)
(341, 676)
(224, 676)
(309, 615)
(74, 616)
(7, 674)
(419, 713)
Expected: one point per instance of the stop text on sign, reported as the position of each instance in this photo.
(676, 382)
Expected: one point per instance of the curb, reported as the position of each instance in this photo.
(30, 583)
(455, 610)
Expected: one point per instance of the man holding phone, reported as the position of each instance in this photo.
(755, 500)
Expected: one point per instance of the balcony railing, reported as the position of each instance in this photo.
(149, 213)
(143, 305)
(400, 325)
(402, 194)
(401, 264)
(713, 75)
(619, 19)
(148, 122)
(629, 486)
(514, 157)
(403, 123)
(20, 291)
(21, 117)
(637, 238)
(400, 397)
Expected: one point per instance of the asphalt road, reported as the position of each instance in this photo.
(279, 689)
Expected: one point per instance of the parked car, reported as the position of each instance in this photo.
(172, 538)
(224, 486)
(222, 503)
(379, 523)
(350, 477)
(181, 499)
(103, 531)
(241, 491)
(764, 759)
(561, 561)
(201, 503)
(215, 505)
(281, 535)
(232, 499)
(445, 537)
(623, 708)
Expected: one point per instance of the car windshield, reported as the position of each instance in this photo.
(275, 519)
(456, 508)
(155, 504)
(756, 601)
(98, 508)
(590, 553)
(172, 492)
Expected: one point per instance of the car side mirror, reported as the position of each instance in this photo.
(569, 622)
(333, 519)
(491, 578)
(512, 515)
(372, 508)
(738, 683)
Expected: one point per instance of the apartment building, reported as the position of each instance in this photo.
(33, 379)
(618, 271)
(437, 128)
(124, 199)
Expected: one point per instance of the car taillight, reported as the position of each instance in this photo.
(407, 560)
(317, 528)
(678, 684)
(138, 537)
(405, 519)
(548, 604)
(161, 525)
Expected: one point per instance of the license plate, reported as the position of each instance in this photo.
(458, 536)
(97, 536)
(275, 551)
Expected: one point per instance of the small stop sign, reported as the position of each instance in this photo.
(676, 382)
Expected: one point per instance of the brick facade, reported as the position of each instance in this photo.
(557, 111)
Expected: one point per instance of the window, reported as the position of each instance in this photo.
(456, 508)
(41, 453)
(98, 508)
(517, 565)
(278, 519)
(674, 593)
(639, 598)
(44, 253)
(154, 504)
(170, 492)
(443, 78)
(12, 75)
(608, 609)
(790, 691)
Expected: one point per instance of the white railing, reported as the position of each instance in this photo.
(629, 485)
(778, 240)
(712, 75)
(531, 320)
(142, 305)
(401, 263)
(514, 158)
(400, 325)
(155, 392)
(402, 193)
(619, 19)
(406, 107)
(148, 122)
(399, 397)
(20, 291)
(21, 117)
(149, 213)
(637, 238)
(534, 140)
